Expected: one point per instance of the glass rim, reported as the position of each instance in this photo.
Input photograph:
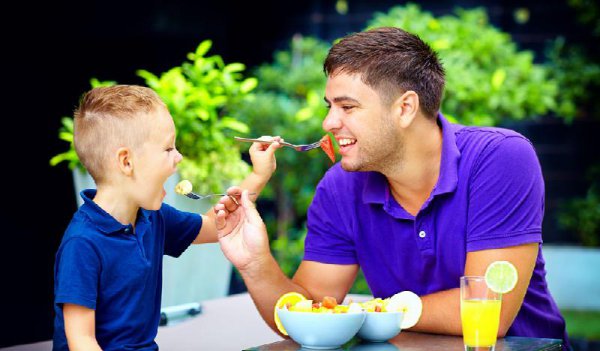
(472, 277)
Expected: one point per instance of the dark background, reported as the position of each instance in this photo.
(51, 50)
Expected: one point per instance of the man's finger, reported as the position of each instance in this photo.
(220, 220)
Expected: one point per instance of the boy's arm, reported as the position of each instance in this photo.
(80, 326)
(264, 164)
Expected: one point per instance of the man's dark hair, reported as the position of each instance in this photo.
(391, 61)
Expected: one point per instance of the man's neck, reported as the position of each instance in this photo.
(111, 200)
(412, 183)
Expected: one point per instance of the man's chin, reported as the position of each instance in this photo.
(350, 167)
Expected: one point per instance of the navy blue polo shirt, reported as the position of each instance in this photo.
(489, 195)
(104, 265)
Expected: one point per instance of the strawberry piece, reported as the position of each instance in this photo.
(327, 146)
(329, 302)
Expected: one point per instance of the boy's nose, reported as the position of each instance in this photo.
(178, 156)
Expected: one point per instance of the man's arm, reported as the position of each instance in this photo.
(80, 325)
(441, 310)
(244, 241)
(266, 283)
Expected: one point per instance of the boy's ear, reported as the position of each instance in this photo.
(405, 108)
(125, 160)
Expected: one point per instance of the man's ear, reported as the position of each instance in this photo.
(405, 108)
(125, 160)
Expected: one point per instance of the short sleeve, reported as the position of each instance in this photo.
(181, 228)
(506, 196)
(328, 239)
(77, 273)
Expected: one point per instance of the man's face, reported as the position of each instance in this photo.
(361, 123)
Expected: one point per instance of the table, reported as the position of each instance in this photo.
(412, 341)
(233, 323)
(230, 323)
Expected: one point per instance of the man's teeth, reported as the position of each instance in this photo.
(344, 142)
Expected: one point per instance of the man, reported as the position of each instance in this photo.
(416, 201)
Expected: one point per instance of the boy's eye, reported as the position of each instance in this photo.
(170, 149)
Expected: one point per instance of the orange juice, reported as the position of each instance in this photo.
(480, 320)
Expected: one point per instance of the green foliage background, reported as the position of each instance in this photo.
(199, 94)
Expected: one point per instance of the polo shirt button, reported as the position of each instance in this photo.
(422, 234)
(127, 230)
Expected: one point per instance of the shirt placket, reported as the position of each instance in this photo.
(423, 233)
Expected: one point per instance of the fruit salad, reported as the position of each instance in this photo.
(406, 302)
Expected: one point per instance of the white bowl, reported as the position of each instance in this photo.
(321, 330)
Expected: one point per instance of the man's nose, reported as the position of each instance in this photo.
(331, 121)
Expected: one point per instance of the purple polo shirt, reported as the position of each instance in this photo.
(489, 195)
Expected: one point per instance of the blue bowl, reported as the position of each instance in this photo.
(374, 346)
(321, 330)
(381, 326)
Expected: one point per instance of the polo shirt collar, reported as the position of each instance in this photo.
(376, 189)
(102, 219)
(448, 178)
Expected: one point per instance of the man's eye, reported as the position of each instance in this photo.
(347, 107)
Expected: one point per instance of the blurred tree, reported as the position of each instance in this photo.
(488, 80)
(287, 102)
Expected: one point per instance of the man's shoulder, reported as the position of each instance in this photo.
(478, 139)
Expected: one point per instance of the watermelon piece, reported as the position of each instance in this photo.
(327, 147)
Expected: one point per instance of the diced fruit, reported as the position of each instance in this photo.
(329, 302)
(340, 309)
(327, 146)
(291, 298)
(354, 308)
(302, 306)
(410, 304)
(501, 276)
(183, 187)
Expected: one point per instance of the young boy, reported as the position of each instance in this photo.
(108, 269)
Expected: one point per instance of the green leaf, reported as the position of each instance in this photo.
(234, 67)
(248, 85)
(203, 48)
(235, 125)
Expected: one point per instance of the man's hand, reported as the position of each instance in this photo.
(242, 233)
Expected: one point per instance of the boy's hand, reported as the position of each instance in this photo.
(242, 233)
(263, 157)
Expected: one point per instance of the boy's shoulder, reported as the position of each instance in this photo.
(81, 226)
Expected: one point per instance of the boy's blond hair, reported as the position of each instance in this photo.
(108, 118)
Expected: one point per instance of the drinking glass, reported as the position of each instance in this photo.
(480, 314)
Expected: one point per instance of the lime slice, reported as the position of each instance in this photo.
(410, 304)
(501, 276)
(292, 298)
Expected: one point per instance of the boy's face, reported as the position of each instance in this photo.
(156, 161)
